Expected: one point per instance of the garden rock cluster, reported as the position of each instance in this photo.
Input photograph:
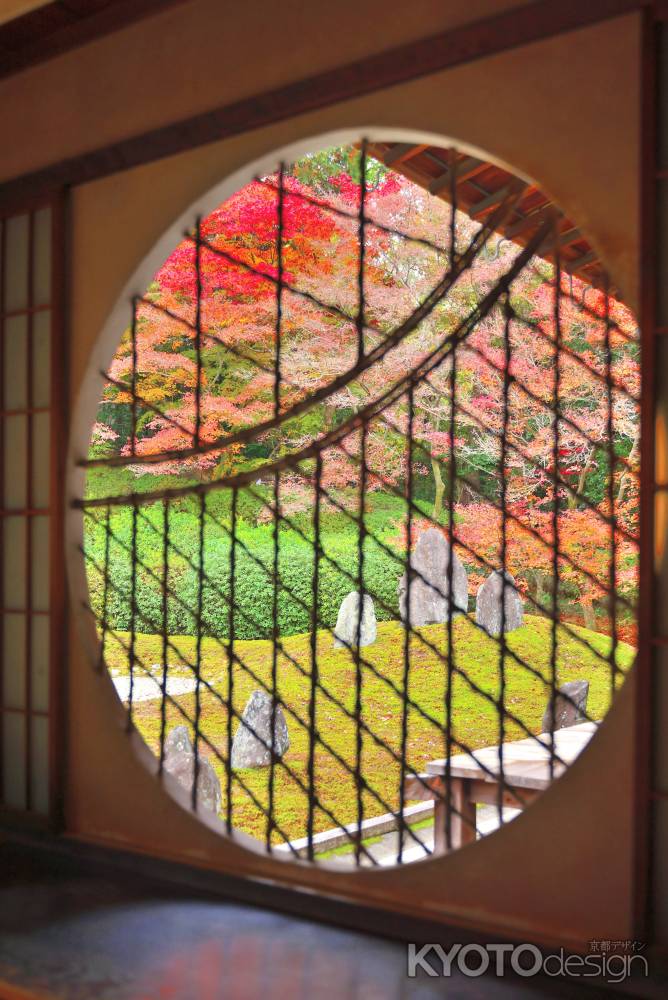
(252, 743)
(179, 761)
(431, 602)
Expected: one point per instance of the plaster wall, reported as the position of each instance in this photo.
(195, 56)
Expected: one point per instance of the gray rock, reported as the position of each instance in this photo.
(179, 761)
(252, 742)
(570, 706)
(488, 604)
(178, 740)
(430, 598)
(348, 621)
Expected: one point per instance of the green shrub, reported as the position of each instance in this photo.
(254, 591)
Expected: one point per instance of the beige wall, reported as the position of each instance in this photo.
(196, 56)
(547, 111)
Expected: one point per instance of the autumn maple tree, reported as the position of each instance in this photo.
(220, 283)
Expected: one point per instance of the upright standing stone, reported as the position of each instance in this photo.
(178, 741)
(252, 742)
(179, 761)
(348, 621)
(430, 596)
(489, 601)
(570, 706)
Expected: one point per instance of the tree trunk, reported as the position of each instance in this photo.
(588, 614)
(469, 491)
(539, 587)
(633, 460)
(329, 412)
(439, 491)
(582, 479)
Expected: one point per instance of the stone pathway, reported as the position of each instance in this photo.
(145, 688)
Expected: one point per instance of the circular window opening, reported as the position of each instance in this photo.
(361, 503)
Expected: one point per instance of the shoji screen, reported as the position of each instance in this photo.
(31, 443)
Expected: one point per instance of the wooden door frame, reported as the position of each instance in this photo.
(57, 201)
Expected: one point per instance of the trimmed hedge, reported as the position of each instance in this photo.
(254, 559)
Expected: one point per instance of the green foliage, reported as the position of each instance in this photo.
(318, 169)
(254, 561)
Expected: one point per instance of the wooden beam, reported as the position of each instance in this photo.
(570, 236)
(58, 27)
(584, 261)
(495, 198)
(401, 152)
(468, 166)
(565, 240)
(464, 169)
(462, 818)
(531, 221)
(471, 172)
(423, 787)
(487, 793)
(499, 33)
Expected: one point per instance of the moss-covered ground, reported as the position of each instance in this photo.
(580, 654)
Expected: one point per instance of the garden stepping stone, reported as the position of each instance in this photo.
(489, 603)
(179, 761)
(252, 742)
(429, 594)
(348, 621)
(570, 706)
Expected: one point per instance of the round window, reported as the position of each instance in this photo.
(361, 502)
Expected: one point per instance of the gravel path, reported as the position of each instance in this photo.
(146, 688)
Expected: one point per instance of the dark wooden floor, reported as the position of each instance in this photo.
(78, 935)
